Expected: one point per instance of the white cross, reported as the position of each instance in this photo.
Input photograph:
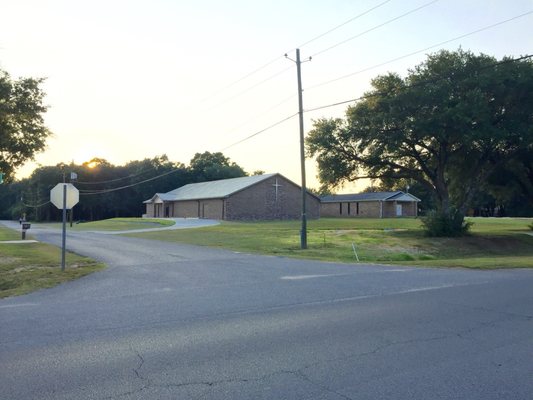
(276, 185)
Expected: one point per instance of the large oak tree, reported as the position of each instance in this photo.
(449, 125)
(22, 129)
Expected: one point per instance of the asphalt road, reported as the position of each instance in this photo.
(169, 321)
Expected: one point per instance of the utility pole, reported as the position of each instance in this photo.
(303, 231)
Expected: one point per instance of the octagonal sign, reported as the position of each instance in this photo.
(56, 196)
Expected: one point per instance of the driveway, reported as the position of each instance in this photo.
(179, 223)
(172, 321)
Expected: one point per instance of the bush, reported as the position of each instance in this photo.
(451, 224)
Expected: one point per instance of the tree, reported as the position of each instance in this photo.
(448, 125)
(22, 129)
(213, 166)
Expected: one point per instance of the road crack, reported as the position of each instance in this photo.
(141, 363)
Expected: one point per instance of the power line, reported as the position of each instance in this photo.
(342, 24)
(422, 83)
(269, 63)
(362, 98)
(272, 61)
(261, 131)
(35, 206)
(374, 28)
(89, 193)
(250, 88)
(113, 180)
(418, 51)
(239, 94)
(259, 115)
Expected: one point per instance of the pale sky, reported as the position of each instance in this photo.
(127, 80)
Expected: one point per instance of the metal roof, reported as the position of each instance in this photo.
(210, 190)
(371, 196)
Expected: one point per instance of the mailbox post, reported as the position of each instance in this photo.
(25, 227)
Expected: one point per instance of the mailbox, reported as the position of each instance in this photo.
(25, 227)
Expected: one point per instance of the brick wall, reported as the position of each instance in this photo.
(367, 209)
(389, 209)
(150, 210)
(186, 209)
(259, 202)
(370, 209)
(212, 209)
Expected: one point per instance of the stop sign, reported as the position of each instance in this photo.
(56, 196)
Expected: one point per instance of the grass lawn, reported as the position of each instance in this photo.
(28, 267)
(493, 243)
(116, 224)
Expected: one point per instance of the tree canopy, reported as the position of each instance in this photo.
(208, 166)
(22, 129)
(449, 125)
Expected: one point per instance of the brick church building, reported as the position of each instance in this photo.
(259, 197)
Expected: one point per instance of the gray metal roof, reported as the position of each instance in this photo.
(210, 190)
(371, 196)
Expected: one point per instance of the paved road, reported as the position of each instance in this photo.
(170, 321)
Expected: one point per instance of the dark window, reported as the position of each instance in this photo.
(340, 208)
(357, 208)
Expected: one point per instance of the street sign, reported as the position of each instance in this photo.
(72, 197)
(64, 196)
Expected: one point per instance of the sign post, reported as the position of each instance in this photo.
(64, 196)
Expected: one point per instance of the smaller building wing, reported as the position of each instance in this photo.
(354, 197)
(370, 196)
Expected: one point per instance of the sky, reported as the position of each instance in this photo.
(128, 80)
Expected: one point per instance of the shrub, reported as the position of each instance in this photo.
(451, 224)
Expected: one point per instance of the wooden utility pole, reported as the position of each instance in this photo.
(303, 231)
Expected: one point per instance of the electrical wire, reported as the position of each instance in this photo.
(272, 61)
(365, 97)
(269, 63)
(344, 23)
(112, 180)
(239, 94)
(374, 28)
(418, 51)
(228, 132)
(89, 193)
(261, 131)
(35, 206)
(422, 83)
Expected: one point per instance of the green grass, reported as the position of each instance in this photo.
(116, 224)
(27, 267)
(493, 243)
(9, 234)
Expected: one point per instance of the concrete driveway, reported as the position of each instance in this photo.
(179, 223)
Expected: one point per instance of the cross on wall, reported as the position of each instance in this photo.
(276, 186)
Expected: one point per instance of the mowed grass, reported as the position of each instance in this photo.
(31, 266)
(116, 224)
(493, 243)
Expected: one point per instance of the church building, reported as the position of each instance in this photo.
(259, 197)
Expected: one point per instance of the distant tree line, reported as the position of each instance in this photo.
(108, 190)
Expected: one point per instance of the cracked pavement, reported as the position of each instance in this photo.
(170, 321)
